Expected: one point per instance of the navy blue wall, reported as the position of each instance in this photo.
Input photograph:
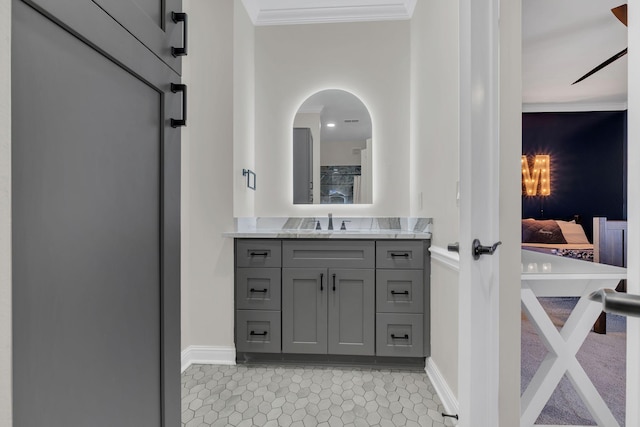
(588, 164)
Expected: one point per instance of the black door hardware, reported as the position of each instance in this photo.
(258, 333)
(453, 247)
(321, 280)
(478, 249)
(180, 17)
(180, 88)
(334, 283)
(261, 291)
(264, 254)
(405, 337)
(399, 293)
(403, 255)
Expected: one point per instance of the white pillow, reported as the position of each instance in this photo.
(572, 232)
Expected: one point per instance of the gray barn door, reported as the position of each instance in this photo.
(96, 226)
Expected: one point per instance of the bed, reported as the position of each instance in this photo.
(567, 238)
(558, 237)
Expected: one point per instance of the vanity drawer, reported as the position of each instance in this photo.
(258, 253)
(258, 331)
(399, 291)
(399, 335)
(400, 254)
(258, 288)
(328, 254)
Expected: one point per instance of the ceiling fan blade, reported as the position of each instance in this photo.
(604, 64)
(621, 13)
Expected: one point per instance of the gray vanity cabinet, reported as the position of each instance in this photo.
(333, 297)
(401, 299)
(351, 312)
(258, 295)
(328, 304)
(304, 310)
(328, 311)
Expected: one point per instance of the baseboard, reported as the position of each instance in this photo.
(449, 400)
(207, 355)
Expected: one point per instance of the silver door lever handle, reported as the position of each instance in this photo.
(478, 249)
(617, 303)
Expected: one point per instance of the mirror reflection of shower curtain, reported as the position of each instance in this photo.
(357, 189)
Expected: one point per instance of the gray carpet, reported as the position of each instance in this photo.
(602, 356)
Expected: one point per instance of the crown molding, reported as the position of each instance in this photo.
(288, 12)
(566, 107)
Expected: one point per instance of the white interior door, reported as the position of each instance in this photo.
(478, 369)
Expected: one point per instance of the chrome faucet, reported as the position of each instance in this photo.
(330, 227)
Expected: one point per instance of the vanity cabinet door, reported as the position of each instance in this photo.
(352, 312)
(304, 310)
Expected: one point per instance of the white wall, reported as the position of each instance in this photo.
(207, 168)
(5, 214)
(368, 59)
(243, 110)
(340, 153)
(434, 161)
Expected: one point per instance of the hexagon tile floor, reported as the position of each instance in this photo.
(268, 395)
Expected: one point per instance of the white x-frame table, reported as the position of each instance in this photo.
(545, 275)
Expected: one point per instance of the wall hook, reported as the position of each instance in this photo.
(251, 178)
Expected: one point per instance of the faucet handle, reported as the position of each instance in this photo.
(318, 225)
(343, 226)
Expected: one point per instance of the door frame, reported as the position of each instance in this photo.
(633, 212)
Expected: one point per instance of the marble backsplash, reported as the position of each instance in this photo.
(416, 225)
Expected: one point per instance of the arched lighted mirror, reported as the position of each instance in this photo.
(332, 150)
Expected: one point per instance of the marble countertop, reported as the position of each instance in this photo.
(326, 234)
(357, 228)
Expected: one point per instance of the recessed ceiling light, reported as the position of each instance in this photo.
(331, 125)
